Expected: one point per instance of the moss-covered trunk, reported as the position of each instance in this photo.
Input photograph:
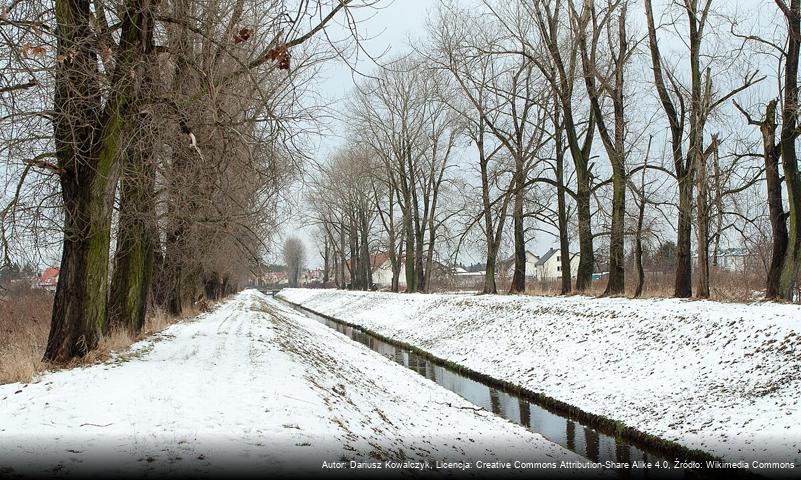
(683, 285)
(587, 255)
(87, 137)
(134, 258)
(617, 276)
(561, 205)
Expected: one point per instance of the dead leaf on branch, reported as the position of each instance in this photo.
(281, 56)
(29, 51)
(242, 36)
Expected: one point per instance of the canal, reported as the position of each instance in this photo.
(525, 410)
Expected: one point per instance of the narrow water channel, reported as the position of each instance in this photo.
(563, 430)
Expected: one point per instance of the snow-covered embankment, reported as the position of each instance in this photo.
(722, 378)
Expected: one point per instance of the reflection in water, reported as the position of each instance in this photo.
(593, 443)
(585, 441)
(570, 433)
(525, 413)
(495, 404)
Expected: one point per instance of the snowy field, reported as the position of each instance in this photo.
(723, 378)
(250, 387)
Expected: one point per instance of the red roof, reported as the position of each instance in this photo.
(50, 276)
(376, 260)
(379, 259)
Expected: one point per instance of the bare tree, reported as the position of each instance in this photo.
(294, 257)
(601, 81)
(702, 102)
(401, 116)
(505, 98)
(792, 262)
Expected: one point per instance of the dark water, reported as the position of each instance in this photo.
(563, 430)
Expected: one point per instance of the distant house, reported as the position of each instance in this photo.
(315, 275)
(382, 271)
(49, 279)
(275, 278)
(549, 266)
(507, 266)
(732, 260)
(462, 278)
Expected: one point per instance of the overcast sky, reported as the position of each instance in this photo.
(386, 30)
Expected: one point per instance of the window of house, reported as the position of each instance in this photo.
(558, 268)
(558, 258)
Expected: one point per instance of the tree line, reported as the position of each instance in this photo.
(606, 124)
(152, 141)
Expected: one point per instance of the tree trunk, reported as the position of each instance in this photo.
(419, 233)
(638, 248)
(561, 205)
(702, 234)
(411, 275)
(173, 271)
(702, 209)
(136, 243)
(617, 279)
(342, 265)
(587, 259)
(366, 263)
(489, 232)
(792, 261)
(429, 256)
(613, 141)
(778, 221)
(489, 273)
(684, 170)
(683, 281)
(326, 258)
(87, 140)
(519, 278)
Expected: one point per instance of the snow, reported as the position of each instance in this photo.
(723, 378)
(252, 386)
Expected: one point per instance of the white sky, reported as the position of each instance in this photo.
(386, 30)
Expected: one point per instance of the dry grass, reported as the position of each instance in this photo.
(25, 324)
(725, 286)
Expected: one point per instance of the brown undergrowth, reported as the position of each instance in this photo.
(725, 286)
(25, 324)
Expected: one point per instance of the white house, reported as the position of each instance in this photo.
(732, 260)
(508, 265)
(382, 272)
(549, 266)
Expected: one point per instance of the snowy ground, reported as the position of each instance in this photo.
(251, 387)
(723, 378)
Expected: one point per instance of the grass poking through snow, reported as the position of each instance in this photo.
(25, 324)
